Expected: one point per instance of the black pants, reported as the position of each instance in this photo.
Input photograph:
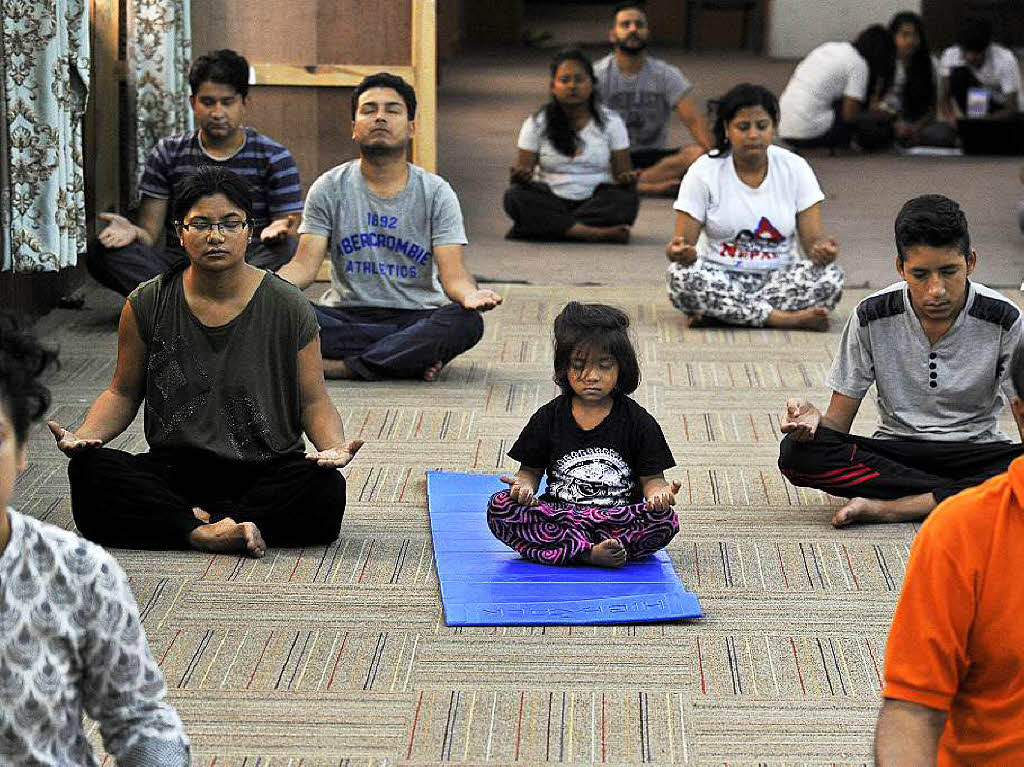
(848, 465)
(872, 130)
(145, 501)
(645, 158)
(539, 214)
(124, 269)
(377, 343)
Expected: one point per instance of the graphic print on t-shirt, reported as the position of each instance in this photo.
(596, 476)
(349, 247)
(765, 243)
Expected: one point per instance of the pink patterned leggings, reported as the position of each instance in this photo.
(556, 533)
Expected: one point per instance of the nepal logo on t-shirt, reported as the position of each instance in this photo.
(765, 243)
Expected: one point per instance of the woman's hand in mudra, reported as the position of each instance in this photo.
(335, 457)
(681, 252)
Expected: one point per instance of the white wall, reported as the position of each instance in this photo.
(798, 26)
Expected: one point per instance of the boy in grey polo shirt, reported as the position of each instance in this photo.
(645, 91)
(937, 347)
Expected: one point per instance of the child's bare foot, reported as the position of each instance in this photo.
(815, 318)
(608, 553)
(226, 535)
(433, 371)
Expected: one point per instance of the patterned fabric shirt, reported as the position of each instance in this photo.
(71, 641)
(265, 164)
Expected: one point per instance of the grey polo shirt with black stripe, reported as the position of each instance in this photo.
(951, 391)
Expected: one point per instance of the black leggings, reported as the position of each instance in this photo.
(848, 465)
(540, 214)
(145, 501)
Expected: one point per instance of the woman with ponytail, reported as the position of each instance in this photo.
(740, 214)
(572, 177)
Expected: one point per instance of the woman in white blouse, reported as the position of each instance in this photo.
(741, 213)
(572, 177)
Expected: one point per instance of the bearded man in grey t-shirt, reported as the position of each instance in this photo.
(937, 348)
(645, 91)
(401, 302)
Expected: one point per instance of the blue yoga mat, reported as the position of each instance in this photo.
(485, 583)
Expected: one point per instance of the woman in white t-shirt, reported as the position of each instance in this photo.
(572, 177)
(825, 100)
(741, 213)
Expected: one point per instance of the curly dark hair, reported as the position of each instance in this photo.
(596, 327)
(22, 360)
(933, 220)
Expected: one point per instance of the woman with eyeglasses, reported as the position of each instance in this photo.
(227, 359)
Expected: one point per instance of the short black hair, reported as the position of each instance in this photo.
(933, 220)
(975, 35)
(642, 7)
(206, 181)
(225, 67)
(386, 80)
(740, 97)
(22, 360)
(598, 327)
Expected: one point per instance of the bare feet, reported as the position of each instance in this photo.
(815, 318)
(861, 510)
(338, 369)
(598, 233)
(608, 553)
(433, 371)
(226, 535)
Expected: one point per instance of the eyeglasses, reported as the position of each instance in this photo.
(231, 226)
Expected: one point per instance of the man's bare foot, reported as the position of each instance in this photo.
(201, 515)
(862, 510)
(226, 535)
(338, 369)
(608, 553)
(433, 371)
(589, 233)
(815, 318)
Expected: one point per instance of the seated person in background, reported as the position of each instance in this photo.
(912, 98)
(72, 639)
(976, 62)
(645, 91)
(130, 254)
(739, 213)
(582, 188)
(937, 347)
(401, 302)
(607, 500)
(954, 661)
(825, 101)
(227, 358)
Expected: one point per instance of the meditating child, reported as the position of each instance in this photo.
(607, 501)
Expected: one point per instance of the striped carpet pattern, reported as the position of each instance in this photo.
(339, 655)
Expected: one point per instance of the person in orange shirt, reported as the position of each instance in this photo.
(954, 661)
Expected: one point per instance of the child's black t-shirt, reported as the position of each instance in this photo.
(599, 467)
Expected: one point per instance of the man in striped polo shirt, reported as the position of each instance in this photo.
(129, 254)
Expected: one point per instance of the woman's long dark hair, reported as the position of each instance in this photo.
(740, 97)
(557, 128)
(918, 97)
(876, 46)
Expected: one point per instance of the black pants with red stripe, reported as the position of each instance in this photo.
(848, 465)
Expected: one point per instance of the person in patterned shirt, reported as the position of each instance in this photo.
(70, 635)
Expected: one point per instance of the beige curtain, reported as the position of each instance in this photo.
(45, 84)
(159, 53)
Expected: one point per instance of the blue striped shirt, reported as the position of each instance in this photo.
(266, 165)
